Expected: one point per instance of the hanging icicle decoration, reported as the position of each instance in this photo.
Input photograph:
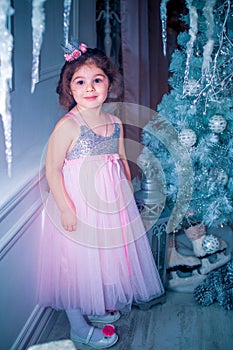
(66, 16)
(163, 17)
(213, 87)
(6, 46)
(208, 47)
(38, 27)
(221, 36)
(192, 32)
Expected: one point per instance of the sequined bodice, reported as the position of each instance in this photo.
(90, 143)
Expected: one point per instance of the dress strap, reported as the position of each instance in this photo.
(70, 113)
(79, 122)
(113, 119)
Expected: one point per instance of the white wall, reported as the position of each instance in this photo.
(34, 116)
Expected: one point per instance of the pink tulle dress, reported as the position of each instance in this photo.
(106, 264)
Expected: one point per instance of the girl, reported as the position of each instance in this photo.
(95, 257)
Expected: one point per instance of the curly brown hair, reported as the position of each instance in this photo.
(91, 56)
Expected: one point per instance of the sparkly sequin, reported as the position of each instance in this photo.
(89, 143)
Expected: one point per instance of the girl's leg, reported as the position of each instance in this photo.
(79, 325)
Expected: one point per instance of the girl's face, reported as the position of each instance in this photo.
(89, 86)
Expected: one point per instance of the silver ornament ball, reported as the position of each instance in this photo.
(187, 137)
(217, 123)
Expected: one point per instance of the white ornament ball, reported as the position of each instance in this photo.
(187, 137)
(217, 123)
(210, 244)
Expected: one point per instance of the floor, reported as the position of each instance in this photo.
(178, 324)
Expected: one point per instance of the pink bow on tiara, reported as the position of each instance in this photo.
(77, 52)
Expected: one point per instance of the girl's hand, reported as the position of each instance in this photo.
(69, 220)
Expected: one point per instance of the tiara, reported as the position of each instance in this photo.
(73, 50)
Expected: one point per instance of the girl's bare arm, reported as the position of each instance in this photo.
(59, 142)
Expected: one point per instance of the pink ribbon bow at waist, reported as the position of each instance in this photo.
(113, 160)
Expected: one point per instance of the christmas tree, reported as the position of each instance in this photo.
(199, 106)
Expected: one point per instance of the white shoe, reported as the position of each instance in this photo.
(109, 317)
(105, 342)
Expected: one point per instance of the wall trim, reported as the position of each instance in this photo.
(50, 72)
(19, 196)
(37, 323)
(15, 231)
(18, 229)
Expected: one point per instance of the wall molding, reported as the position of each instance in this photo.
(20, 195)
(17, 230)
(50, 72)
(40, 320)
(13, 212)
